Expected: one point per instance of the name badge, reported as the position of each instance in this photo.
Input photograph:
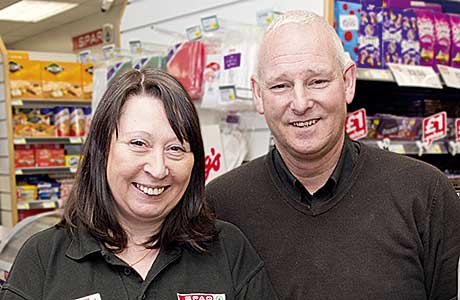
(200, 296)
(91, 297)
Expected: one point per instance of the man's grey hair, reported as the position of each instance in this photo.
(310, 18)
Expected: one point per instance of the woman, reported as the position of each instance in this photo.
(136, 225)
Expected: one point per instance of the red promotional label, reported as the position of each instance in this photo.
(88, 39)
(355, 124)
(435, 127)
(457, 129)
(211, 162)
(200, 296)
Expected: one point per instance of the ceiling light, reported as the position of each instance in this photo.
(33, 11)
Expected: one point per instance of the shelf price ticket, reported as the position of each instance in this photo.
(355, 124)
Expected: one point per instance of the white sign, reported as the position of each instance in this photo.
(214, 162)
(418, 76)
(451, 76)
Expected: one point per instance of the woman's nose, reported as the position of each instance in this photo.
(156, 166)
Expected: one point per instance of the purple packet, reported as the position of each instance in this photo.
(369, 40)
(398, 4)
(442, 39)
(370, 5)
(410, 45)
(391, 35)
(425, 25)
(455, 45)
(399, 127)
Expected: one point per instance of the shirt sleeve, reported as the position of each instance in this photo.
(26, 277)
(250, 279)
(442, 244)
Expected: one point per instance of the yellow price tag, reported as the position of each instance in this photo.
(19, 141)
(17, 103)
(49, 204)
(23, 206)
(18, 172)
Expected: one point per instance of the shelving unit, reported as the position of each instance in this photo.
(378, 93)
(10, 207)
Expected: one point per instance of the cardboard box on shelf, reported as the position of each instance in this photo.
(24, 156)
(61, 80)
(25, 81)
(49, 155)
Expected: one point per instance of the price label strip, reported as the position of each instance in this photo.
(227, 93)
(20, 141)
(451, 76)
(135, 46)
(355, 124)
(417, 76)
(194, 33)
(210, 23)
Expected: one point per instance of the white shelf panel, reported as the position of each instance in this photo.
(28, 103)
(5, 200)
(45, 170)
(2, 109)
(5, 183)
(410, 147)
(48, 140)
(39, 204)
(375, 74)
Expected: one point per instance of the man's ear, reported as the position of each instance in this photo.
(349, 79)
(257, 95)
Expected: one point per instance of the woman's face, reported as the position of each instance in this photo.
(148, 168)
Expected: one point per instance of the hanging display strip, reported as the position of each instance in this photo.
(418, 76)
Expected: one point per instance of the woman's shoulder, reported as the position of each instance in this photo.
(43, 239)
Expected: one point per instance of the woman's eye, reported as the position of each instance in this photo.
(138, 143)
(177, 148)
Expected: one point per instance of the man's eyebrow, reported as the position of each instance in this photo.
(305, 73)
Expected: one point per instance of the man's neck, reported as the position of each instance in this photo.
(313, 172)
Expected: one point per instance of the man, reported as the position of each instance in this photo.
(333, 218)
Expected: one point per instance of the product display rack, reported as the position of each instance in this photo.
(378, 93)
(10, 207)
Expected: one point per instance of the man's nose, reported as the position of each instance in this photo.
(156, 165)
(300, 99)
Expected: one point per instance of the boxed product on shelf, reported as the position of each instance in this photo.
(442, 39)
(61, 80)
(391, 29)
(87, 80)
(394, 127)
(66, 185)
(369, 39)
(32, 122)
(24, 156)
(347, 15)
(77, 121)
(88, 116)
(72, 160)
(455, 45)
(62, 120)
(25, 80)
(49, 155)
(426, 33)
(26, 192)
(410, 45)
(48, 190)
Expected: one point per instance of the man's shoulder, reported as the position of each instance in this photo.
(245, 173)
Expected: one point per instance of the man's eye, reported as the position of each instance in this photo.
(319, 82)
(279, 87)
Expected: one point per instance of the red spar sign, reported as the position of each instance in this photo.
(355, 124)
(435, 127)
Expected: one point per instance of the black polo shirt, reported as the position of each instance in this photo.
(297, 191)
(52, 265)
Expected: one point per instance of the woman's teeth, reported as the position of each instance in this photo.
(150, 191)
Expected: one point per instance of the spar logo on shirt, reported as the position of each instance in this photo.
(200, 296)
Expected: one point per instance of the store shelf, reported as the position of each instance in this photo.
(375, 75)
(37, 103)
(48, 140)
(45, 170)
(39, 204)
(410, 147)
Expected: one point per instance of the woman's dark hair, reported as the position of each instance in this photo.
(91, 203)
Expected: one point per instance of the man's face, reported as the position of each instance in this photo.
(302, 91)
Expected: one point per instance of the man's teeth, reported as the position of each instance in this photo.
(306, 123)
(150, 191)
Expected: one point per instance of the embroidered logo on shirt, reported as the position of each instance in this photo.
(91, 297)
(200, 296)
